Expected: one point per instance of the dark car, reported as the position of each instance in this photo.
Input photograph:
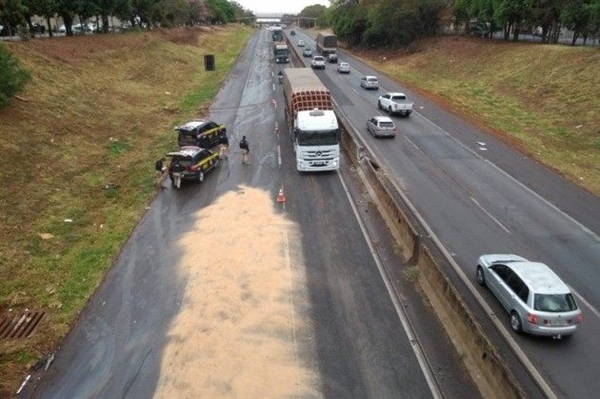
(200, 132)
(6, 31)
(293, 33)
(196, 162)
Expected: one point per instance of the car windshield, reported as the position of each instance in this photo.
(372, 79)
(554, 303)
(318, 138)
(386, 124)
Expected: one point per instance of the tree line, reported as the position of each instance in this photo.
(141, 13)
(375, 23)
(545, 18)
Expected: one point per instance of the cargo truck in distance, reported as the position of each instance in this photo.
(277, 35)
(281, 53)
(311, 121)
(326, 44)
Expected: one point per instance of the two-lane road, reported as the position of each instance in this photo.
(480, 196)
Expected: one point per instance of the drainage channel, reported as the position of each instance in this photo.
(12, 327)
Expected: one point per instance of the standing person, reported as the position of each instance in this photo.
(160, 169)
(176, 170)
(224, 147)
(245, 147)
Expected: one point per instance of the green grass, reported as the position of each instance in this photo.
(99, 110)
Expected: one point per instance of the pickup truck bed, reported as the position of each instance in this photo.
(395, 103)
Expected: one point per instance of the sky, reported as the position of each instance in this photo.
(279, 6)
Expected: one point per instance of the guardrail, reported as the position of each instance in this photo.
(490, 372)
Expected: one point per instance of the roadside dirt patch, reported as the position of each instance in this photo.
(236, 334)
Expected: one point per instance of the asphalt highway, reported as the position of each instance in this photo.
(367, 332)
(478, 195)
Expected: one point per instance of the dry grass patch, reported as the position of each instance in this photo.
(99, 111)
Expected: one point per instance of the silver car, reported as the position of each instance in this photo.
(381, 126)
(538, 301)
(369, 82)
(343, 67)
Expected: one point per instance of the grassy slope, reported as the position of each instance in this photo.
(542, 99)
(100, 109)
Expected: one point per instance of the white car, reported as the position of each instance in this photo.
(318, 62)
(343, 67)
(300, 43)
(369, 82)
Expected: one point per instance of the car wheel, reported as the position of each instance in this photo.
(379, 104)
(200, 176)
(515, 322)
(390, 110)
(480, 276)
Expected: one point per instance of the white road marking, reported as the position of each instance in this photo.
(514, 180)
(412, 338)
(279, 155)
(490, 215)
(589, 305)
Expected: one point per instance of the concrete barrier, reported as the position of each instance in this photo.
(489, 371)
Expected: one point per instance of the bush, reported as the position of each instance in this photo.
(12, 76)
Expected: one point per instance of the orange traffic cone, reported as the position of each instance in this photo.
(281, 197)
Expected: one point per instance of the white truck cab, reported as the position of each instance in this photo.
(316, 141)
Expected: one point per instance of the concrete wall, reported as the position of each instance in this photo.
(489, 371)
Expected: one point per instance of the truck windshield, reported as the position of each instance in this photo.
(281, 52)
(318, 138)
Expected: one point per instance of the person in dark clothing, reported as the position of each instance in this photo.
(176, 171)
(160, 170)
(245, 147)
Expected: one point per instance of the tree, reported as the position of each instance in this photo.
(315, 13)
(43, 8)
(12, 76)
(510, 14)
(221, 11)
(12, 14)
(546, 14)
(349, 21)
(577, 15)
